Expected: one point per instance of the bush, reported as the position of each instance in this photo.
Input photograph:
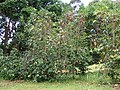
(114, 69)
(28, 67)
(32, 66)
(11, 65)
(1, 60)
(52, 53)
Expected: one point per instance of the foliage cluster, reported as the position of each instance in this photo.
(55, 49)
(49, 40)
(103, 28)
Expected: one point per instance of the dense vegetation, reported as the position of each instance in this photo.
(46, 40)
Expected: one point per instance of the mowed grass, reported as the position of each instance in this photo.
(70, 85)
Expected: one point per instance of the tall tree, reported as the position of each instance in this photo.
(12, 11)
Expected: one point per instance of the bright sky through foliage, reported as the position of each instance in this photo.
(85, 2)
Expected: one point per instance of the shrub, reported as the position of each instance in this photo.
(52, 53)
(11, 65)
(1, 60)
(114, 69)
(27, 67)
(32, 66)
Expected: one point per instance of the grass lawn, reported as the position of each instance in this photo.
(68, 85)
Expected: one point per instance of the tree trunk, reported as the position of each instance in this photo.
(6, 38)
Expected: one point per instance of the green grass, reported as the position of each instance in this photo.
(84, 82)
(96, 77)
(71, 85)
